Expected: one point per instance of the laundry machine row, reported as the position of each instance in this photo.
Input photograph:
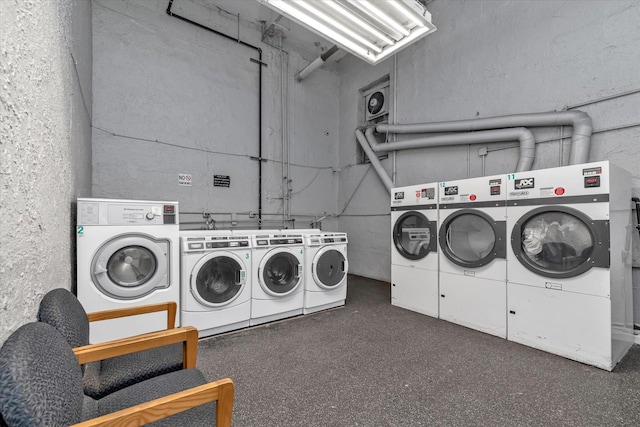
(541, 258)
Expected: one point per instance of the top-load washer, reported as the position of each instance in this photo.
(414, 256)
(277, 277)
(128, 255)
(472, 236)
(569, 273)
(326, 267)
(216, 280)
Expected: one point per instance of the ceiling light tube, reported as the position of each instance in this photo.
(331, 21)
(315, 25)
(356, 20)
(402, 9)
(382, 17)
(418, 32)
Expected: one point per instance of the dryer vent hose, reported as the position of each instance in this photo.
(637, 202)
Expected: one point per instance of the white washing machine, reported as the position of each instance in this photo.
(569, 273)
(326, 267)
(414, 256)
(277, 275)
(128, 255)
(473, 266)
(216, 280)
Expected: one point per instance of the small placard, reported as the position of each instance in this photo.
(184, 179)
(221, 180)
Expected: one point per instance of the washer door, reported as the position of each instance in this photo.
(329, 267)
(560, 242)
(131, 266)
(471, 238)
(414, 235)
(280, 272)
(218, 278)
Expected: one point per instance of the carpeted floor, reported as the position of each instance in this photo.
(372, 364)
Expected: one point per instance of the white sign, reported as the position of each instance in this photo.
(184, 179)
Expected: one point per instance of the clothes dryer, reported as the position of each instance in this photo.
(569, 282)
(216, 280)
(277, 277)
(472, 236)
(414, 256)
(326, 267)
(127, 256)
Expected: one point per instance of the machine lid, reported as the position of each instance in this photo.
(330, 266)
(131, 266)
(470, 238)
(414, 235)
(218, 279)
(560, 242)
(280, 272)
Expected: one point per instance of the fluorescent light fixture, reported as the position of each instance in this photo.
(372, 30)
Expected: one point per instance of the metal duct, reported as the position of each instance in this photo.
(580, 121)
(524, 135)
(375, 162)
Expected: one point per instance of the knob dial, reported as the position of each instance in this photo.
(150, 215)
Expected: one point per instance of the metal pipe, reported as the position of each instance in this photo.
(580, 121)
(524, 135)
(316, 63)
(375, 162)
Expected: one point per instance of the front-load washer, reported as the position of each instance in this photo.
(216, 280)
(326, 267)
(414, 255)
(128, 255)
(277, 276)
(569, 273)
(472, 237)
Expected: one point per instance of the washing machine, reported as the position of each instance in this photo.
(569, 273)
(473, 265)
(127, 255)
(414, 254)
(216, 280)
(277, 275)
(325, 271)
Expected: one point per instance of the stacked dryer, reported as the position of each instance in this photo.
(216, 280)
(569, 284)
(472, 235)
(414, 258)
(326, 267)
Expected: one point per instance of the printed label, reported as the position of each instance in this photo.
(592, 171)
(524, 183)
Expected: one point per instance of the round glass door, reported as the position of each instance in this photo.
(330, 268)
(555, 242)
(280, 273)
(471, 238)
(413, 235)
(218, 279)
(131, 266)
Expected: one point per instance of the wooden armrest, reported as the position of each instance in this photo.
(170, 307)
(221, 390)
(188, 335)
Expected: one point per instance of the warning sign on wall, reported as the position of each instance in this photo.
(184, 179)
(221, 180)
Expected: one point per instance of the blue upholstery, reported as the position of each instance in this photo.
(62, 310)
(41, 385)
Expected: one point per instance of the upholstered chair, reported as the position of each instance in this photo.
(62, 310)
(41, 386)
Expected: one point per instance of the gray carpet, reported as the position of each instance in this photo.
(372, 364)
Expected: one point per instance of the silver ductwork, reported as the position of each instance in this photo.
(580, 121)
(375, 162)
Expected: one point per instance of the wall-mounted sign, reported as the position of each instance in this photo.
(184, 179)
(221, 180)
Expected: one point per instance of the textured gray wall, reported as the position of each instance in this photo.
(172, 98)
(491, 58)
(45, 98)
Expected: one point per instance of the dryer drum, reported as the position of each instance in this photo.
(131, 266)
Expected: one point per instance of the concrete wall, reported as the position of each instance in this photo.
(491, 58)
(172, 98)
(45, 139)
